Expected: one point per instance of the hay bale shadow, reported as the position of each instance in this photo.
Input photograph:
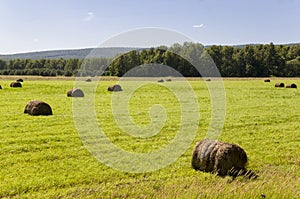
(221, 158)
(37, 107)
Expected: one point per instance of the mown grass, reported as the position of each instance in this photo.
(44, 157)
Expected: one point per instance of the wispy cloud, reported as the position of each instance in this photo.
(198, 26)
(89, 17)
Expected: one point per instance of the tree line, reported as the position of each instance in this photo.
(257, 60)
(248, 61)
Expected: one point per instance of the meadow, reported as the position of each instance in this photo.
(44, 156)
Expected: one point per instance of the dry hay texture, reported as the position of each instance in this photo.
(220, 158)
(115, 87)
(37, 107)
(75, 93)
(279, 84)
(267, 80)
(16, 84)
(291, 86)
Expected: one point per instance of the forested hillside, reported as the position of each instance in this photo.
(68, 54)
(247, 61)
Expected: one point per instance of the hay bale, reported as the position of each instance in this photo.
(20, 80)
(208, 80)
(69, 93)
(75, 93)
(88, 80)
(161, 80)
(267, 80)
(115, 87)
(279, 84)
(37, 107)
(16, 84)
(220, 158)
(291, 86)
(168, 80)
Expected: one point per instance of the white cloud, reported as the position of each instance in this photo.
(198, 26)
(89, 17)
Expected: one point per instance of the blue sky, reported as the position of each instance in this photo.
(36, 25)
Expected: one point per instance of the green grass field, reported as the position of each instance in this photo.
(44, 157)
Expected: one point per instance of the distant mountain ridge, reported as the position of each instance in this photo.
(68, 54)
(254, 44)
(107, 52)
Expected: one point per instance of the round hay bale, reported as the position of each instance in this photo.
(110, 88)
(291, 86)
(16, 84)
(88, 80)
(161, 80)
(115, 87)
(69, 93)
(220, 158)
(279, 84)
(75, 93)
(168, 80)
(208, 80)
(267, 80)
(20, 80)
(37, 107)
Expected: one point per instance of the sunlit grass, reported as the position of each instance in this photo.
(43, 157)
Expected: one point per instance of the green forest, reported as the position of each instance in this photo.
(265, 60)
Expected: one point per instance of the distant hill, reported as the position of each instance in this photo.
(108, 52)
(78, 53)
(254, 44)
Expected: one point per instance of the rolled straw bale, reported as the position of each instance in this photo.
(220, 158)
(75, 93)
(115, 87)
(37, 107)
(16, 84)
(291, 86)
(279, 84)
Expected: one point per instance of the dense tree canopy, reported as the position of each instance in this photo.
(247, 61)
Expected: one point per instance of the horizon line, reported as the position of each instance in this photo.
(90, 47)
